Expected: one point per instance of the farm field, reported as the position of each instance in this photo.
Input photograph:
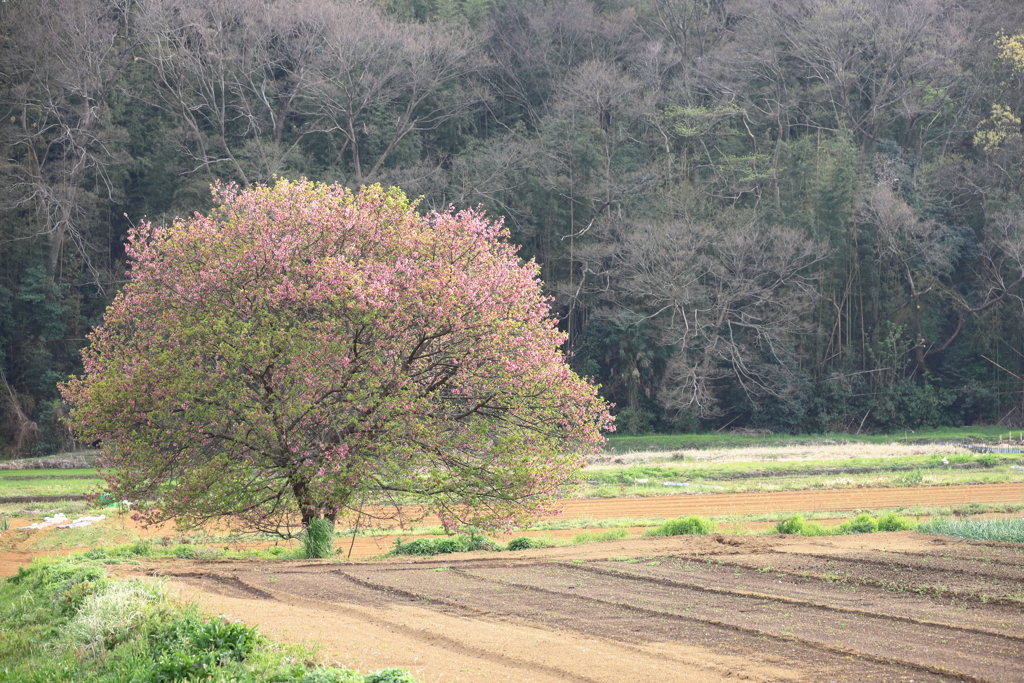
(878, 607)
(898, 606)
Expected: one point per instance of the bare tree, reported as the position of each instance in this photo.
(918, 251)
(386, 81)
(250, 80)
(63, 59)
(731, 295)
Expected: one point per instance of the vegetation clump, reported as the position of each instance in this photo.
(525, 543)
(318, 539)
(461, 543)
(892, 521)
(60, 621)
(861, 524)
(1010, 530)
(694, 525)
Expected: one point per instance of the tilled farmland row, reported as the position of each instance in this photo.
(764, 608)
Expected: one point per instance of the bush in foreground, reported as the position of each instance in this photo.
(694, 525)
(62, 621)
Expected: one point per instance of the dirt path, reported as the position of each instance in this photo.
(893, 607)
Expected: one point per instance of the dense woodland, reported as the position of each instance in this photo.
(795, 215)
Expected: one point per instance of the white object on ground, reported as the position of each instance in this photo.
(82, 521)
(674, 483)
(47, 522)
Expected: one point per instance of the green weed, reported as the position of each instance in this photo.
(438, 546)
(691, 526)
(861, 524)
(318, 539)
(591, 537)
(894, 522)
(525, 543)
(132, 632)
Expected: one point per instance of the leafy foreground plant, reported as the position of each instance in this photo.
(62, 621)
(1008, 530)
(694, 525)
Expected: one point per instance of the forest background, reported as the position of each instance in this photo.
(794, 215)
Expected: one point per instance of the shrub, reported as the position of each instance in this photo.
(797, 525)
(318, 541)
(793, 525)
(691, 526)
(390, 676)
(438, 546)
(525, 543)
(184, 552)
(814, 529)
(861, 524)
(331, 675)
(893, 522)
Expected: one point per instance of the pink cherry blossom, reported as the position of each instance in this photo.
(303, 351)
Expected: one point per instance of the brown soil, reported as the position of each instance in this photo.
(833, 500)
(879, 607)
(876, 607)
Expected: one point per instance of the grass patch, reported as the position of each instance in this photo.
(694, 525)
(45, 486)
(525, 543)
(757, 475)
(24, 475)
(461, 543)
(595, 537)
(65, 621)
(318, 539)
(678, 442)
(1010, 530)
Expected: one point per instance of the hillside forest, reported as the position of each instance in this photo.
(791, 215)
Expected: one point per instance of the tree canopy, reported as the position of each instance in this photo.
(302, 351)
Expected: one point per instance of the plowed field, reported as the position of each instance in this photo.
(879, 607)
